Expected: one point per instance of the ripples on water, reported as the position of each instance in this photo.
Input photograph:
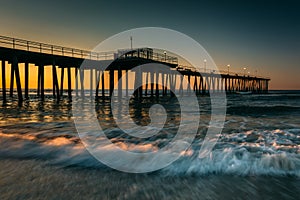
(261, 137)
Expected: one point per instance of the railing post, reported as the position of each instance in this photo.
(14, 43)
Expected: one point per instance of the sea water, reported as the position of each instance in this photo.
(257, 154)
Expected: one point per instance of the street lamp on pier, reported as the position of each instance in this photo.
(228, 66)
(245, 71)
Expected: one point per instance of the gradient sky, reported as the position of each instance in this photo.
(259, 35)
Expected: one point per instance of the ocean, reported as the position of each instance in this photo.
(257, 155)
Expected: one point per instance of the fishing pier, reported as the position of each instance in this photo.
(102, 81)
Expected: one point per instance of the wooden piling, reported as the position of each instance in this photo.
(55, 81)
(11, 91)
(163, 83)
(15, 65)
(81, 82)
(126, 83)
(146, 86)
(3, 82)
(157, 84)
(120, 82)
(26, 79)
(97, 78)
(69, 83)
(166, 85)
(62, 72)
(91, 82)
(102, 84)
(152, 83)
(111, 81)
(181, 85)
(42, 82)
(38, 82)
(140, 76)
(76, 81)
(189, 85)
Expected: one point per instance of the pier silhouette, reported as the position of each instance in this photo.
(14, 51)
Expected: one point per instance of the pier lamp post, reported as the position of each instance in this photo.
(205, 65)
(165, 53)
(245, 71)
(228, 69)
(248, 73)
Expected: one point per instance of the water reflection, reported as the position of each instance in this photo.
(34, 110)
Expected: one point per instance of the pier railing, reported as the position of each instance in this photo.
(39, 47)
(221, 72)
(20, 44)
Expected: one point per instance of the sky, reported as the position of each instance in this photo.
(263, 36)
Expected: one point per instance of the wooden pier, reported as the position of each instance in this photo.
(14, 51)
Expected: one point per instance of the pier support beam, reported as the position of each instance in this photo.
(146, 86)
(62, 81)
(140, 75)
(91, 82)
(81, 82)
(26, 79)
(11, 90)
(97, 79)
(181, 85)
(138, 83)
(119, 82)
(166, 85)
(76, 81)
(201, 85)
(3, 81)
(41, 81)
(172, 84)
(15, 65)
(189, 85)
(156, 85)
(102, 84)
(152, 83)
(126, 83)
(69, 83)
(163, 83)
(111, 81)
(55, 82)
(195, 88)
